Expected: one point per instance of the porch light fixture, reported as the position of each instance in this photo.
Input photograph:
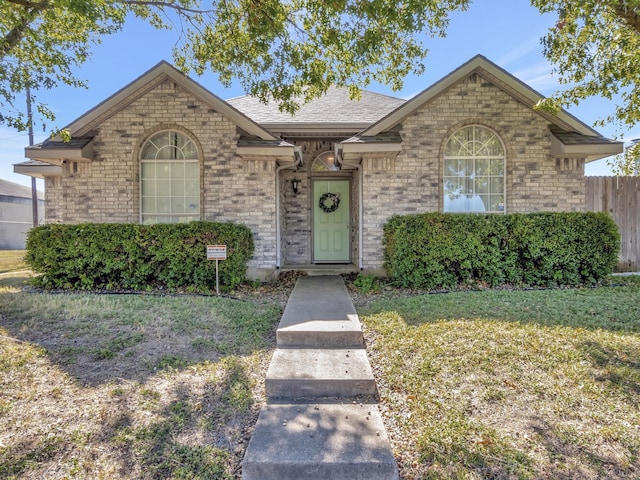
(295, 183)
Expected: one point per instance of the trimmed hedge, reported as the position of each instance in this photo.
(94, 256)
(441, 250)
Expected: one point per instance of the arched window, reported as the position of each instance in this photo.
(474, 171)
(169, 179)
(325, 162)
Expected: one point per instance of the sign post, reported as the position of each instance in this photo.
(217, 252)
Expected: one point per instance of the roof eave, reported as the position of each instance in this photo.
(282, 154)
(56, 155)
(37, 171)
(343, 129)
(382, 147)
(590, 152)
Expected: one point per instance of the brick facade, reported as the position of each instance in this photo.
(107, 189)
(412, 182)
(257, 190)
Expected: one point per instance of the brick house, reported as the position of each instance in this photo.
(318, 187)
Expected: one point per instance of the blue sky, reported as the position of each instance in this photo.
(507, 32)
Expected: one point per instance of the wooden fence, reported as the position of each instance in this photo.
(620, 197)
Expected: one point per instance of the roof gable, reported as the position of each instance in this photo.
(497, 76)
(148, 80)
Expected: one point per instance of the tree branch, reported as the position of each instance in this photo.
(13, 36)
(629, 15)
(160, 4)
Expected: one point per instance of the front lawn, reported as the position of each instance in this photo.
(520, 384)
(129, 386)
(492, 384)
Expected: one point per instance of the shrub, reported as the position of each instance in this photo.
(436, 250)
(137, 257)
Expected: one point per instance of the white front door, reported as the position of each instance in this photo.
(331, 228)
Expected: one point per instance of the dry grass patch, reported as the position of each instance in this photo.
(127, 386)
(502, 385)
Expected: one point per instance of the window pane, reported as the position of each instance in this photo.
(163, 205)
(148, 205)
(496, 203)
(161, 139)
(478, 203)
(148, 187)
(482, 166)
(482, 185)
(453, 147)
(149, 152)
(450, 168)
(497, 185)
(163, 187)
(494, 147)
(452, 186)
(191, 170)
(191, 187)
(189, 150)
(177, 188)
(193, 205)
(148, 170)
(467, 185)
(497, 167)
(163, 170)
(177, 169)
(177, 205)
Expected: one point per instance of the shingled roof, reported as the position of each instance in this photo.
(15, 190)
(333, 110)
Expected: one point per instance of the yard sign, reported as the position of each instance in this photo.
(217, 252)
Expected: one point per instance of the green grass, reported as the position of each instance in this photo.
(497, 384)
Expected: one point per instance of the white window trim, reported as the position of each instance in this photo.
(474, 158)
(188, 217)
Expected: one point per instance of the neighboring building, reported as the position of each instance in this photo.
(317, 187)
(16, 214)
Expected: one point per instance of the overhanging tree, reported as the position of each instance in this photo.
(289, 51)
(595, 50)
(292, 51)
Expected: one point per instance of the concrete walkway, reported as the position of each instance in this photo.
(321, 421)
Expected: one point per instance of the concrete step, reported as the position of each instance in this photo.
(296, 373)
(319, 313)
(319, 442)
(321, 333)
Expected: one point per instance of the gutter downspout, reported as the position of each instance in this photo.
(278, 170)
(360, 219)
(338, 157)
